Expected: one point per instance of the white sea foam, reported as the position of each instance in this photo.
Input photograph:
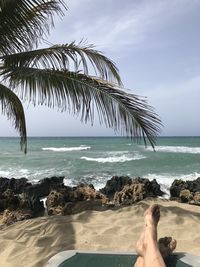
(23, 171)
(65, 149)
(45, 206)
(4, 173)
(35, 181)
(165, 180)
(122, 158)
(177, 149)
(14, 172)
(99, 181)
(69, 182)
(116, 153)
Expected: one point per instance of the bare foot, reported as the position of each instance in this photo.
(166, 246)
(151, 218)
(152, 215)
(139, 245)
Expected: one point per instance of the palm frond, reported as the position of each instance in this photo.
(24, 22)
(79, 93)
(12, 107)
(66, 57)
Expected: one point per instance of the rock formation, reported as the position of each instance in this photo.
(70, 200)
(186, 191)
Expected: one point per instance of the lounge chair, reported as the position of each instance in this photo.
(75, 258)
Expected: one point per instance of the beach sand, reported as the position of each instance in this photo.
(33, 242)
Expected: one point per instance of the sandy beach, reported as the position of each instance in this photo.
(32, 242)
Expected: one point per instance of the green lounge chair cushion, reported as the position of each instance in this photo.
(113, 260)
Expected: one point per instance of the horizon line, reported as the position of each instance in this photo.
(88, 136)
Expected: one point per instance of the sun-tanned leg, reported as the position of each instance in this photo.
(147, 246)
(151, 253)
(140, 242)
(166, 246)
(139, 249)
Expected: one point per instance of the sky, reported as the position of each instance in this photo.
(155, 45)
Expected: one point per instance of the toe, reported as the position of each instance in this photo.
(172, 244)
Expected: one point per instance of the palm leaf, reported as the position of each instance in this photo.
(64, 57)
(79, 93)
(12, 107)
(24, 22)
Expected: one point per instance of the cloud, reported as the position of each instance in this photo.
(114, 25)
(155, 45)
(178, 106)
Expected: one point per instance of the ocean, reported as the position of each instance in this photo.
(96, 159)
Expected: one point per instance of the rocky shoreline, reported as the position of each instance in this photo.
(20, 199)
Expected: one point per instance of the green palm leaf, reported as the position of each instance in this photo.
(12, 107)
(66, 57)
(62, 75)
(79, 93)
(24, 22)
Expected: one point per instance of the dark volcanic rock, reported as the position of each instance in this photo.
(115, 184)
(68, 200)
(186, 191)
(179, 185)
(185, 196)
(176, 187)
(21, 199)
(137, 190)
(55, 200)
(129, 194)
(194, 186)
(10, 217)
(21, 185)
(44, 186)
(19, 207)
(8, 200)
(151, 188)
(31, 203)
(16, 185)
(196, 198)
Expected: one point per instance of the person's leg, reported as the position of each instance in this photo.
(152, 256)
(147, 246)
(140, 242)
(166, 246)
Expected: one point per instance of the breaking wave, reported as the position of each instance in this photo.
(114, 159)
(65, 149)
(177, 149)
(166, 179)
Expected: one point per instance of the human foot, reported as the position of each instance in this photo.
(151, 218)
(166, 246)
(139, 246)
(152, 215)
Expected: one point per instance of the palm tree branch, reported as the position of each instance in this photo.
(12, 107)
(24, 22)
(78, 93)
(64, 57)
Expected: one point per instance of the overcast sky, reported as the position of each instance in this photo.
(156, 46)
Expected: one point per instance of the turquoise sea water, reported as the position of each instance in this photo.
(97, 159)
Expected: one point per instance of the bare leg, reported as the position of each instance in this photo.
(166, 247)
(147, 246)
(140, 242)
